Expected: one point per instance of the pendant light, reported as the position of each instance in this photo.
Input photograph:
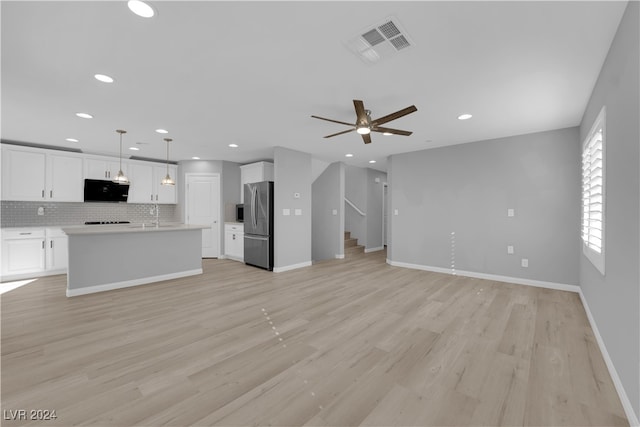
(167, 180)
(120, 177)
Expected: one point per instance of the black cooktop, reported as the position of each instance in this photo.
(106, 222)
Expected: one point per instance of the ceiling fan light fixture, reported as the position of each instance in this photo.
(363, 130)
(387, 133)
(464, 116)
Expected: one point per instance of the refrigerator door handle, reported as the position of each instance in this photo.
(255, 207)
(255, 237)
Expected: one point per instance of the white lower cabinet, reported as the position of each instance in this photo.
(234, 241)
(33, 252)
(57, 248)
(23, 252)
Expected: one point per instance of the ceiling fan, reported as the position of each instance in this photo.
(365, 125)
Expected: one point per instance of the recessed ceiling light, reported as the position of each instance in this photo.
(387, 133)
(464, 116)
(134, 148)
(72, 140)
(348, 155)
(84, 115)
(233, 145)
(140, 8)
(195, 158)
(162, 131)
(103, 78)
(372, 161)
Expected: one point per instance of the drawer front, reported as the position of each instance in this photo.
(24, 233)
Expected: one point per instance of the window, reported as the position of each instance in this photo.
(593, 193)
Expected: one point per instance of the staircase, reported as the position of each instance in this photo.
(351, 246)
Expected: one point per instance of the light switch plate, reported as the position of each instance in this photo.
(510, 249)
(511, 212)
(525, 262)
(286, 212)
(395, 211)
(334, 212)
(297, 212)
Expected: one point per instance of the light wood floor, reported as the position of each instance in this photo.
(343, 343)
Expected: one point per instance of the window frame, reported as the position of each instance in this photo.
(597, 259)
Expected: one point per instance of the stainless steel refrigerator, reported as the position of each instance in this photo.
(258, 224)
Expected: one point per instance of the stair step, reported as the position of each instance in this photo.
(354, 250)
(347, 235)
(350, 242)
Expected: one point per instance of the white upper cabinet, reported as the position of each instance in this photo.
(145, 185)
(64, 178)
(23, 175)
(165, 193)
(34, 175)
(106, 169)
(254, 172)
(141, 183)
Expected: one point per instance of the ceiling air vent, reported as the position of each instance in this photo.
(380, 41)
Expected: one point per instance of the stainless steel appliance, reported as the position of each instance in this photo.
(240, 213)
(98, 190)
(258, 224)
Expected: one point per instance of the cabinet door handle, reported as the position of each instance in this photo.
(152, 197)
(156, 197)
(234, 236)
(25, 234)
(43, 194)
(43, 244)
(51, 242)
(51, 193)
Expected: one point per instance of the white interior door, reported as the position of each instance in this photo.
(203, 208)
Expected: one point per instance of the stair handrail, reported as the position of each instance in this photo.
(350, 203)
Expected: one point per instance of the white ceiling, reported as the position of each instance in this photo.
(252, 73)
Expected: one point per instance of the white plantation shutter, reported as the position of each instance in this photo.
(593, 194)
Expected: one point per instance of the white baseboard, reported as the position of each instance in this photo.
(624, 399)
(498, 278)
(130, 283)
(339, 256)
(367, 250)
(291, 267)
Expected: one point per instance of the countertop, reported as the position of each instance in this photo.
(129, 228)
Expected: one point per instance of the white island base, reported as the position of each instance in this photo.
(107, 257)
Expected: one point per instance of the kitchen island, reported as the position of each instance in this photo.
(107, 257)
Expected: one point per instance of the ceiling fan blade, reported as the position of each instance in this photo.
(334, 121)
(393, 131)
(340, 133)
(394, 116)
(360, 112)
(366, 138)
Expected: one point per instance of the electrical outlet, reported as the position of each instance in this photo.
(395, 211)
(297, 212)
(525, 262)
(296, 195)
(41, 210)
(511, 212)
(286, 212)
(334, 212)
(510, 249)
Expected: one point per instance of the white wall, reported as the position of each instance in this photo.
(614, 299)
(292, 241)
(328, 229)
(466, 189)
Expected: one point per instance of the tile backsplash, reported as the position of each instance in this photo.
(25, 214)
